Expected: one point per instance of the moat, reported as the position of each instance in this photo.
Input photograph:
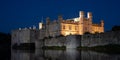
(68, 54)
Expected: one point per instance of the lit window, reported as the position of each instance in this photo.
(63, 26)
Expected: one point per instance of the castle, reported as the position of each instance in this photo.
(69, 33)
(74, 26)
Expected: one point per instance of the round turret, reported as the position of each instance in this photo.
(89, 15)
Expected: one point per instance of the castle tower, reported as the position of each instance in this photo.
(40, 25)
(102, 23)
(81, 14)
(81, 19)
(47, 20)
(89, 17)
(47, 26)
(60, 19)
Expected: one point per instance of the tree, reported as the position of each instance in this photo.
(116, 28)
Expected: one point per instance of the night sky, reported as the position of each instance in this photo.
(26, 13)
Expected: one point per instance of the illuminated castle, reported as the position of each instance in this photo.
(75, 26)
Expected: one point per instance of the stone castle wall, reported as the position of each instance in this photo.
(24, 36)
(90, 40)
(71, 41)
(86, 40)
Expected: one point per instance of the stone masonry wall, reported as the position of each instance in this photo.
(24, 36)
(86, 40)
(90, 40)
(71, 41)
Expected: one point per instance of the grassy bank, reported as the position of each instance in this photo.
(54, 47)
(110, 49)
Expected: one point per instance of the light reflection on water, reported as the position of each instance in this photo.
(69, 54)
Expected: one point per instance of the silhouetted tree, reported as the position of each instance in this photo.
(116, 28)
(5, 38)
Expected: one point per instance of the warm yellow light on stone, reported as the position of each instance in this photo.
(74, 26)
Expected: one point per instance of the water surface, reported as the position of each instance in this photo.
(69, 54)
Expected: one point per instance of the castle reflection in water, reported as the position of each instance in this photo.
(70, 54)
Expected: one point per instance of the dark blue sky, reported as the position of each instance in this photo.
(26, 13)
